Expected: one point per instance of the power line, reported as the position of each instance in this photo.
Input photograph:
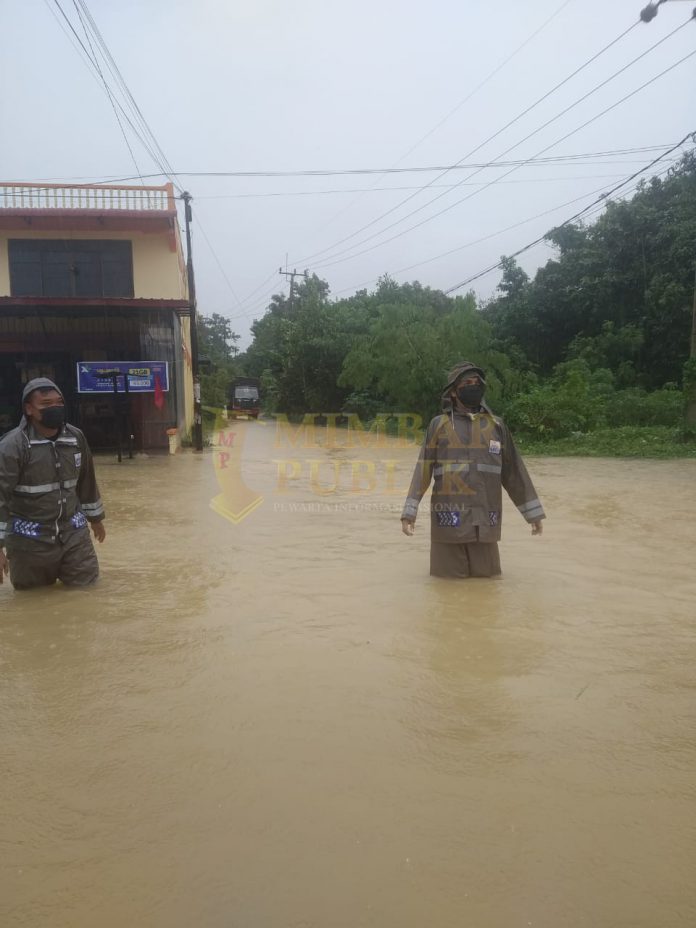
(314, 193)
(217, 259)
(465, 99)
(446, 209)
(481, 144)
(259, 304)
(498, 232)
(128, 96)
(163, 161)
(579, 158)
(596, 206)
(272, 276)
(92, 68)
(593, 208)
(108, 91)
(600, 200)
(143, 131)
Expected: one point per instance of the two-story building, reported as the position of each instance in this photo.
(92, 288)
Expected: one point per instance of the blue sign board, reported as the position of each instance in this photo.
(98, 376)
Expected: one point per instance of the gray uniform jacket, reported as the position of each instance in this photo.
(471, 458)
(48, 489)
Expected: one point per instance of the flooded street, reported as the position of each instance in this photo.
(283, 722)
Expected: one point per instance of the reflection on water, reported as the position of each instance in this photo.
(287, 722)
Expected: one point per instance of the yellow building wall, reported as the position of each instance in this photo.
(158, 272)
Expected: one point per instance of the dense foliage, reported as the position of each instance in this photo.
(217, 351)
(597, 339)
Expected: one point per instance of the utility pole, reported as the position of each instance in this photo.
(292, 275)
(197, 411)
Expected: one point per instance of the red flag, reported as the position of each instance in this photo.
(159, 393)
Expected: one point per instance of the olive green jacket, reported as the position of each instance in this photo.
(48, 489)
(471, 458)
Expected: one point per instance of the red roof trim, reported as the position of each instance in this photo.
(30, 213)
(59, 302)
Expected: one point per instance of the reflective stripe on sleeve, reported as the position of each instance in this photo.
(93, 509)
(69, 484)
(39, 488)
(411, 506)
(490, 468)
(532, 513)
(532, 504)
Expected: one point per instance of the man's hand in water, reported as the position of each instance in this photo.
(99, 531)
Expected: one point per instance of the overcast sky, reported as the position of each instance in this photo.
(272, 86)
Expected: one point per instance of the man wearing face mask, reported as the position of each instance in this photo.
(471, 456)
(48, 496)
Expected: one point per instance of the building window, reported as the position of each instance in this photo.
(79, 268)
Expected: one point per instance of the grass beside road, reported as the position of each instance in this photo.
(622, 442)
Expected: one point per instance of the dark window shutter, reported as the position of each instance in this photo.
(71, 267)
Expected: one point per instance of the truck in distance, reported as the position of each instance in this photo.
(243, 398)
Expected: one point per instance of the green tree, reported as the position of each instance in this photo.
(217, 345)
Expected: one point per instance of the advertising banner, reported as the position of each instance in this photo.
(143, 376)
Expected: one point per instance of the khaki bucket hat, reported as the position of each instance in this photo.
(463, 367)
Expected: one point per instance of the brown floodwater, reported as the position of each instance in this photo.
(283, 722)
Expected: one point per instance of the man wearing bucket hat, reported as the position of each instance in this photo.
(470, 455)
(48, 496)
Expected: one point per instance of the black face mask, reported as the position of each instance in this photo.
(53, 417)
(471, 395)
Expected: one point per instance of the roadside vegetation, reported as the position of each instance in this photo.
(590, 356)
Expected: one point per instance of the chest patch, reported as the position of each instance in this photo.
(448, 519)
(78, 458)
(494, 447)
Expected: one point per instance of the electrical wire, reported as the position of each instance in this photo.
(130, 99)
(94, 71)
(491, 183)
(314, 193)
(578, 158)
(108, 93)
(473, 151)
(161, 158)
(599, 205)
(600, 200)
(217, 259)
(253, 293)
(143, 130)
(510, 228)
(461, 103)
